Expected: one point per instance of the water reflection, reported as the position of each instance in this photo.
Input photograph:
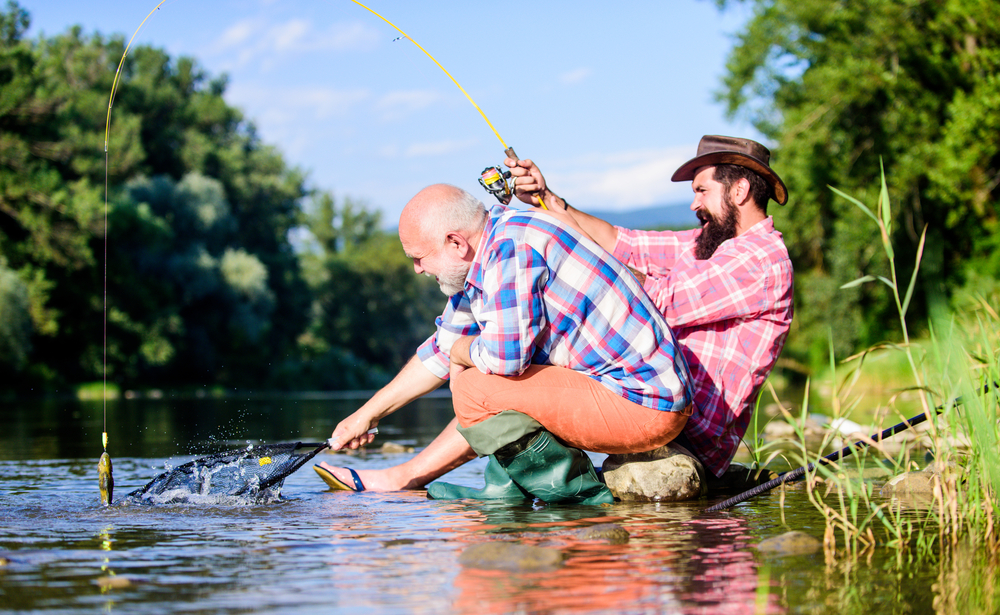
(377, 553)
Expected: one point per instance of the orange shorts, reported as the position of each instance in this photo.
(575, 408)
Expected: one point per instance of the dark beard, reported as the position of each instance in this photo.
(714, 231)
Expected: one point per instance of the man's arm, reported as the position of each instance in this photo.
(412, 382)
(530, 185)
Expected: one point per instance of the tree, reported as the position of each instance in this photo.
(366, 296)
(171, 123)
(844, 87)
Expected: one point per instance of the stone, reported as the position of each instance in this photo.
(608, 532)
(666, 474)
(391, 448)
(790, 543)
(511, 557)
(912, 489)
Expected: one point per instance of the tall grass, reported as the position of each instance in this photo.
(949, 376)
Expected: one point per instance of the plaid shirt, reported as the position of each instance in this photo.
(730, 314)
(540, 293)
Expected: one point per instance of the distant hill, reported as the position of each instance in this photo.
(676, 216)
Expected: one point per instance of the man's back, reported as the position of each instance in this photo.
(538, 292)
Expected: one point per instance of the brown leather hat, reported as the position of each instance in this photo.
(714, 149)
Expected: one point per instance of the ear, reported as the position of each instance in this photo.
(740, 191)
(458, 243)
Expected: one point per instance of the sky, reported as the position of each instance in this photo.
(608, 98)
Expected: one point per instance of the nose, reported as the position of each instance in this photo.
(416, 266)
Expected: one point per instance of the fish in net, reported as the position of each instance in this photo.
(253, 474)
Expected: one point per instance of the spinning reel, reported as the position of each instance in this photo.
(497, 182)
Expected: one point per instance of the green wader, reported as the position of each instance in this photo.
(526, 461)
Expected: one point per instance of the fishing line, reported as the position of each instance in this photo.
(107, 130)
(407, 36)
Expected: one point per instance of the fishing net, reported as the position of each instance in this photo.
(252, 474)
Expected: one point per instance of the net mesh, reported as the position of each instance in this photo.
(255, 474)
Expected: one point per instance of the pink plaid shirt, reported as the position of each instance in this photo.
(730, 315)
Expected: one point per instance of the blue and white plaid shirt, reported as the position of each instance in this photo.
(541, 293)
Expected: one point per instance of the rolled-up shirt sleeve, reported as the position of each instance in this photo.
(651, 252)
(708, 292)
(455, 322)
(513, 311)
(693, 292)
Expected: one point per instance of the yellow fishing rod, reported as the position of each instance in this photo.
(494, 179)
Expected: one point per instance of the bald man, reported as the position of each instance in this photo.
(551, 347)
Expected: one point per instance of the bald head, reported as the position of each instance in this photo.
(438, 210)
(440, 229)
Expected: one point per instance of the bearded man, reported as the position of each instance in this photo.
(725, 290)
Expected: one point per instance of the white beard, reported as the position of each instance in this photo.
(452, 281)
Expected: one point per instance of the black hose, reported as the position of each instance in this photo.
(847, 451)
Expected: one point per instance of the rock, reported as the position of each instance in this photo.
(390, 448)
(608, 532)
(666, 474)
(511, 557)
(847, 427)
(913, 489)
(790, 543)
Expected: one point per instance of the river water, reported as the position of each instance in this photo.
(338, 552)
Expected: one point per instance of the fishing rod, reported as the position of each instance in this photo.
(847, 451)
(495, 180)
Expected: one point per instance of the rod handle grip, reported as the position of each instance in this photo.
(510, 153)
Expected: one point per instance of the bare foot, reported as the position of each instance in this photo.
(373, 480)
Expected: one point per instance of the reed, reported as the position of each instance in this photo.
(959, 361)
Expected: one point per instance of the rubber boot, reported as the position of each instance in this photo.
(555, 473)
(499, 486)
(535, 460)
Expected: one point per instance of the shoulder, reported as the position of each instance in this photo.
(529, 228)
(763, 244)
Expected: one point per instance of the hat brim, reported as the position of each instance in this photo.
(687, 170)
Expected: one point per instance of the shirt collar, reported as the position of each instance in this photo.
(475, 277)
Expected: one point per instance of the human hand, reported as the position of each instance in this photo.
(354, 432)
(530, 187)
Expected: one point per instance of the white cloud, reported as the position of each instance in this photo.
(286, 105)
(257, 40)
(622, 180)
(574, 76)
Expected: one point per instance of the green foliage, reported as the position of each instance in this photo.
(203, 284)
(955, 376)
(15, 320)
(366, 295)
(839, 86)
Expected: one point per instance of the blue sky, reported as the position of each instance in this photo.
(607, 97)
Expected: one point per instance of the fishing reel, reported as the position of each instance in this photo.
(496, 181)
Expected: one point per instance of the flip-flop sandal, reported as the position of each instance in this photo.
(335, 483)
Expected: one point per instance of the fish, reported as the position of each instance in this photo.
(105, 479)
